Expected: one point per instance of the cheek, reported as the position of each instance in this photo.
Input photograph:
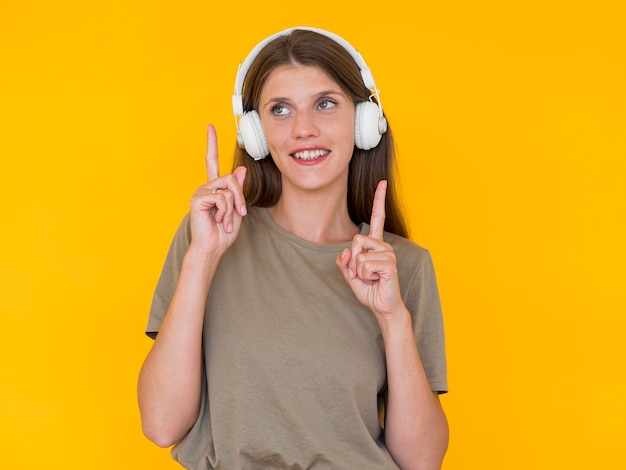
(349, 126)
(272, 133)
(348, 134)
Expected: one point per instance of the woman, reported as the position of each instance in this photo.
(291, 310)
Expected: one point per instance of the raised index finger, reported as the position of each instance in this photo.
(212, 161)
(377, 222)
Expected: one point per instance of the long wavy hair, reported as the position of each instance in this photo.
(263, 185)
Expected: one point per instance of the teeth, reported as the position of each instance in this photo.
(311, 154)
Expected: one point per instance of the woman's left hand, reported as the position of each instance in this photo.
(369, 265)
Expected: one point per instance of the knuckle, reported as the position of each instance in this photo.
(229, 178)
(359, 238)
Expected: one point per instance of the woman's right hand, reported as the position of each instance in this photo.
(217, 207)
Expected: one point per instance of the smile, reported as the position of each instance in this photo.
(310, 154)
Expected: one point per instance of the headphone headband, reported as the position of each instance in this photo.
(244, 67)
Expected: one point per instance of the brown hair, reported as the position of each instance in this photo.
(367, 167)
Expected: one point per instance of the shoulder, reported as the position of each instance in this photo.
(411, 257)
(255, 222)
(405, 246)
(255, 214)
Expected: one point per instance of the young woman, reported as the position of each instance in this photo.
(297, 327)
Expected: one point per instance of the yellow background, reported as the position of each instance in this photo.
(510, 123)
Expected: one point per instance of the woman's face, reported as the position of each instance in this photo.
(308, 121)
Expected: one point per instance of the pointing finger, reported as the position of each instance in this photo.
(212, 161)
(377, 222)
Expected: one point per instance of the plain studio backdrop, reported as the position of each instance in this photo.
(510, 125)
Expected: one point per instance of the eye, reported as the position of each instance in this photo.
(280, 110)
(327, 104)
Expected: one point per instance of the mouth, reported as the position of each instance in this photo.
(309, 155)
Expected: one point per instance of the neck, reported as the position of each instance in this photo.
(318, 218)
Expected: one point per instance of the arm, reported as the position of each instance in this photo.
(169, 385)
(170, 380)
(416, 429)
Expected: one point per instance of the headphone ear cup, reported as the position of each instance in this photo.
(366, 130)
(251, 136)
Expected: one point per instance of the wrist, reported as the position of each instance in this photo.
(395, 323)
(200, 256)
(199, 263)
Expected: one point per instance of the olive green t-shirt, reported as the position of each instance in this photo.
(294, 363)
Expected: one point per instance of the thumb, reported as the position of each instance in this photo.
(342, 261)
(240, 174)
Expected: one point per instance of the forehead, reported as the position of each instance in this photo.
(298, 77)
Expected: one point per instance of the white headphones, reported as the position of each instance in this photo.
(369, 125)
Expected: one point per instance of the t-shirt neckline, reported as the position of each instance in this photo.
(290, 237)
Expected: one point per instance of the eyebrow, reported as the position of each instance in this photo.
(318, 95)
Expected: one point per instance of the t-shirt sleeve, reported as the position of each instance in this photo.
(424, 304)
(169, 277)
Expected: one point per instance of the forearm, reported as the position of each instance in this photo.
(169, 385)
(416, 429)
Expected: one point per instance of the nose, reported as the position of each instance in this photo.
(304, 125)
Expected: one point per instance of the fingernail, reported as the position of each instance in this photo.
(243, 210)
